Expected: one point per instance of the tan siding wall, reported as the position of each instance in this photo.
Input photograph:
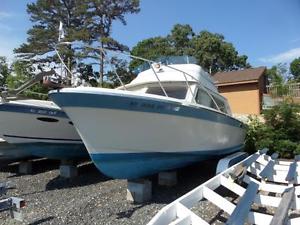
(243, 98)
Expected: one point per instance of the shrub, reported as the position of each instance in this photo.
(280, 131)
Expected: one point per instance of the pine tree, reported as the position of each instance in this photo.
(101, 15)
(87, 21)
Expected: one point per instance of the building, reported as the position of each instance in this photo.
(243, 89)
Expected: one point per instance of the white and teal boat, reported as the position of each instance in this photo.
(169, 116)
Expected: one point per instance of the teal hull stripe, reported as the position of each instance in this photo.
(140, 104)
(18, 108)
(55, 150)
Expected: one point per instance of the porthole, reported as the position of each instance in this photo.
(47, 119)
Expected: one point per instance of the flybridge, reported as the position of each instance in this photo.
(167, 60)
(250, 180)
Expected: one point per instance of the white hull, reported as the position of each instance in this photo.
(136, 132)
(132, 135)
(22, 125)
(37, 127)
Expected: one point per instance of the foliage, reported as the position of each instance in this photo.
(46, 16)
(180, 39)
(120, 67)
(274, 76)
(99, 19)
(22, 72)
(88, 74)
(295, 68)
(279, 80)
(4, 71)
(85, 21)
(150, 49)
(211, 50)
(215, 54)
(280, 131)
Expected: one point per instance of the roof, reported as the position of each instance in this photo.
(239, 76)
(174, 73)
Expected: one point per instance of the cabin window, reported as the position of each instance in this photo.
(178, 92)
(203, 98)
(221, 104)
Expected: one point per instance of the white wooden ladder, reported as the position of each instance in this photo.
(259, 179)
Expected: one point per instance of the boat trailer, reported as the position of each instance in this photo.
(12, 204)
(267, 191)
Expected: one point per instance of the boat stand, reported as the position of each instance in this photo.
(25, 167)
(267, 192)
(68, 169)
(139, 190)
(11, 204)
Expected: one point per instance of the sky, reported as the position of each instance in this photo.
(267, 31)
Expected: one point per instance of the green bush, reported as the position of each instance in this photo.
(280, 131)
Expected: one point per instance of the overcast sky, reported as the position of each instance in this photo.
(267, 31)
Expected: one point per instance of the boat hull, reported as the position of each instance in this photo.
(40, 131)
(136, 165)
(144, 135)
(10, 152)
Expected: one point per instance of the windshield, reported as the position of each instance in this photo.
(178, 92)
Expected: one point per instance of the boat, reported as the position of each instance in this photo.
(39, 128)
(169, 116)
(10, 153)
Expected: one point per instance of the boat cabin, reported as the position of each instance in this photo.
(179, 78)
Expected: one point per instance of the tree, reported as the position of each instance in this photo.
(100, 16)
(4, 70)
(86, 21)
(151, 48)
(180, 39)
(121, 68)
(278, 78)
(215, 54)
(21, 72)
(43, 36)
(211, 50)
(274, 75)
(295, 68)
(88, 74)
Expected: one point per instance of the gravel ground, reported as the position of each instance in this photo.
(92, 198)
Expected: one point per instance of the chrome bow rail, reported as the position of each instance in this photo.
(150, 62)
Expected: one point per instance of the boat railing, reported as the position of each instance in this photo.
(8, 94)
(150, 63)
